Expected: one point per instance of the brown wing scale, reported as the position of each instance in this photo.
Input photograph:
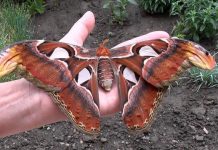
(143, 100)
(79, 107)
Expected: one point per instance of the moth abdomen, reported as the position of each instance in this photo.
(105, 74)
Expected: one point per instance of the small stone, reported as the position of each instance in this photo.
(74, 146)
(176, 111)
(154, 138)
(203, 148)
(7, 146)
(111, 34)
(205, 130)
(211, 97)
(145, 138)
(199, 110)
(67, 144)
(193, 128)
(211, 123)
(40, 148)
(199, 138)
(60, 138)
(209, 102)
(87, 139)
(69, 137)
(199, 117)
(174, 141)
(103, 140)
(213, 112)
(81, 141)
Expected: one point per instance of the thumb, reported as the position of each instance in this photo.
(80, 30)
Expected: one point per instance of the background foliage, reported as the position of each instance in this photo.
(198, 19)
(14, 22)
(155, 6)
(118, 9)
(34, 6)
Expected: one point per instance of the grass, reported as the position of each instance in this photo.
(14, 26)
(202, 78)
(14, 22)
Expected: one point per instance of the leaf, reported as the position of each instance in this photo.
(213, 23)
(165, 3)
(117, 13)
(106, 5)
(133, 2)
(196, 26)
(196, 37)
(202, 28)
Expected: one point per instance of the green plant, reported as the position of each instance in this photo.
(118, 9)
(14, 22)
(36, 6)
(15, 26)
(155, 6)
(198, 18)
(9, 77)
(216, 42)
(204, 77)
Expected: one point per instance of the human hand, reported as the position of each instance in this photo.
(24, 107)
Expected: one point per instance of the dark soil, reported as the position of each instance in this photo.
(185, 120)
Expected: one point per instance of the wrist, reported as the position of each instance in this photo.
(24, 107)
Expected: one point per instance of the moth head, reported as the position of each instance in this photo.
(102, 50)
(196, 54)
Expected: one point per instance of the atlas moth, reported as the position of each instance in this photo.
(141, 72)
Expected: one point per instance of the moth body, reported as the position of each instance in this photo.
(105, 74)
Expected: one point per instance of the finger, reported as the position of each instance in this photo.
(149, 36)
(80, 30)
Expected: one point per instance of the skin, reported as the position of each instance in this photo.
(24, 107)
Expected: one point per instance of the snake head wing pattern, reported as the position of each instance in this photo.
(157, 63)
